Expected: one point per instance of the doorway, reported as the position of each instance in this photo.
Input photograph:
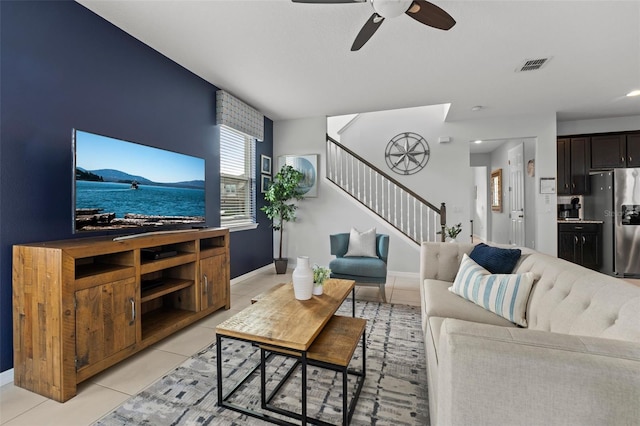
(509, 224)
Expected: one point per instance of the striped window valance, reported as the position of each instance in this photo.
(232, 112)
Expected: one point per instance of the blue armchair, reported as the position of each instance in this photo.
(367, 271)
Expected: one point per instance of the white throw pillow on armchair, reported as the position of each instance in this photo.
(362, 244)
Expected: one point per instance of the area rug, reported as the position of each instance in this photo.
(394, 392)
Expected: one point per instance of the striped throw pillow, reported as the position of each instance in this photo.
(503, 294)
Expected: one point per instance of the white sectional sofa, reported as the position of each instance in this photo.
(576, 363)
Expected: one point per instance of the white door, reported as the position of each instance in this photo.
(516, 195)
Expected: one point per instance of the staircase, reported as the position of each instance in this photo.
(396, 204)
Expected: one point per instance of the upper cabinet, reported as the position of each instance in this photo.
(609, 151)
(633, 150)
(615, 151)
(573, 166)
(578, 155)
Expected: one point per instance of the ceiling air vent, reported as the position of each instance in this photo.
(533, 64)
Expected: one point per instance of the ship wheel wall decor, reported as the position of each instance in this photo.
(407, 153)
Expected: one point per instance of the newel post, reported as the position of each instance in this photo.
(443, 221)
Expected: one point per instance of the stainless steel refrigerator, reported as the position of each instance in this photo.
(615, 199)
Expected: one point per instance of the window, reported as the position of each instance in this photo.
(237, 178)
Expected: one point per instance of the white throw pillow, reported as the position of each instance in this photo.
(503, 294)
(362, 244)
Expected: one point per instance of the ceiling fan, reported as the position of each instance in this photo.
(420, 10)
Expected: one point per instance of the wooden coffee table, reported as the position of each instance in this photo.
(284, 324)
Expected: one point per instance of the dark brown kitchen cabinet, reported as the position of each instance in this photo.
(608, 151)
(581, 243)
(633, 150)
(616, 150)
(573, 155)
(564, 167)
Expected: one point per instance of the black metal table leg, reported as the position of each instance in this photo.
(263, 380)
(353, 300)
(219, 367)
(304, 388)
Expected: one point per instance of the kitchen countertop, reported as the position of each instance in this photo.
(580, 221)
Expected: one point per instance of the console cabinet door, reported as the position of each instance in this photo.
(213, 281)
(105, 321)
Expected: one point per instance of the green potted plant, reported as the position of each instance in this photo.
(453, 231)
(320, 275)
(280, 209)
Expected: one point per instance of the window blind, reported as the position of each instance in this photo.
(237, 178)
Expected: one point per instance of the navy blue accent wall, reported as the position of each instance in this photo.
(63, 67)
(249, 246)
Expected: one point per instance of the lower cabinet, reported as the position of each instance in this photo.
(105, 321)
(83, 305)
(214, 295)
(581, 243)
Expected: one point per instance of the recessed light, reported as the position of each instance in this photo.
(634, 93)
(477, 108)
(478, 141)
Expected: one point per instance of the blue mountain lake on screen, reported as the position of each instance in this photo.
(120, 199)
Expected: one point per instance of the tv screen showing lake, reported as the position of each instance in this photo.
(120, 184)
(121, 198)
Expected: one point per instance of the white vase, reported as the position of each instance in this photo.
(317, 289)
(452, 240)
(302, 279)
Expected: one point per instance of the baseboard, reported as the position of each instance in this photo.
(251, 274)
(6, 377)
(403, 274)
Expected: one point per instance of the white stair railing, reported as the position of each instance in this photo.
(396, 204)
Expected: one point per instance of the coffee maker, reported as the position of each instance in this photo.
(570, 211)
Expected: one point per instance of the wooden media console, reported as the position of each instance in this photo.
(83, 305)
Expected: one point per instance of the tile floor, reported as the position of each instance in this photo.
(107, 390)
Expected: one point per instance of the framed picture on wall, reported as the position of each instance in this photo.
(265, 182)
(265, 165)
(496, 190)
(308, 165)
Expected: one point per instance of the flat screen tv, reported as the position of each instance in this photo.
(127, 186)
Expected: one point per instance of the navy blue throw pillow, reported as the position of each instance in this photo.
(495, 260)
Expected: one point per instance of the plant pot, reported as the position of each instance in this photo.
(317, 289)
(281, 265)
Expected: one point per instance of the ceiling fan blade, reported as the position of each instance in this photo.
(369, 28)
(328, 1)
(430, 14)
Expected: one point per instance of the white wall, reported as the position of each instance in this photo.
(332, 211)
(601, 125)
(480, 199)
(446, 178)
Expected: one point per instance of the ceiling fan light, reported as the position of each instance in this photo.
(390, 8)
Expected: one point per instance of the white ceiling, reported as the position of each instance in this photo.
(293, 60)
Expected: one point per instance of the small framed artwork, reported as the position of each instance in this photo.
(308, 165)
(265, 182)
(547, 185)
(265, 165)
(496, 190)
(531, 168)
